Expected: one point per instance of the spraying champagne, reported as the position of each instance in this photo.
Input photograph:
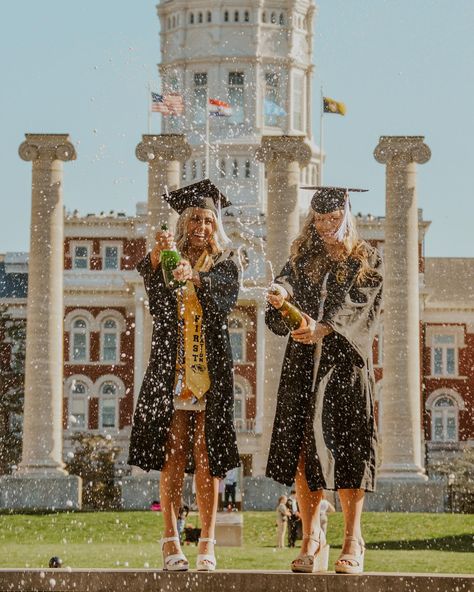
(291, 314)
(169, 259)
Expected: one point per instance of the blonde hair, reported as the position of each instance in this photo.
(214, 246)
(309, 251)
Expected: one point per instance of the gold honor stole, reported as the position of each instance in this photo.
(196, 381)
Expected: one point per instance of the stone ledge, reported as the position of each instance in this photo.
(92, 580)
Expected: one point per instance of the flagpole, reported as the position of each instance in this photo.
(321, 152)
(149, 108)
(207, 133)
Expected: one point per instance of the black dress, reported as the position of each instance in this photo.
(152, 418)
(325, 404)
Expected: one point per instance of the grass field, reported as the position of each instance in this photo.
(435, 543)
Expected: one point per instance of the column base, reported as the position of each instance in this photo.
(139, 491)
(406, 495)
(402, 471)
(40, 492)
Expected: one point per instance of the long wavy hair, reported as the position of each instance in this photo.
(308, 252)
(214, 247)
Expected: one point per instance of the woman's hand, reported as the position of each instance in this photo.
(164, 242)
(183, 271)
(312, 333)
(276, 295)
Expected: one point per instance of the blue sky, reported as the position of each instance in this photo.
(401, 67)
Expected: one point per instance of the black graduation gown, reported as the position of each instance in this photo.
(334, 422)
(152, 418)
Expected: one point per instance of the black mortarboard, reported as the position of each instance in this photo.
(203, 194)
(329, 199)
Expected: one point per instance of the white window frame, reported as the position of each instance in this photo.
(73, 331)
(236, 90)
(120, 394)
(444, 412)
(242, 331)
(444, 353)
(73, 245)
(119, 246)
(298, 99)
(116, 333)
(84, 397)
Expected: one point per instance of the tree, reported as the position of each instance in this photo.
(94, 461)
(12, 371)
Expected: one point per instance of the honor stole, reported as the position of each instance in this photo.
(192, 375)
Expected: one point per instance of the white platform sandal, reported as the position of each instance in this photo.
(175, 562)
(318, 561)
(354, 564)
(206, 562)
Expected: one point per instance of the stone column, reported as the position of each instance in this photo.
(283, 156)
(41, 481)
(401, 421)
(164, 154)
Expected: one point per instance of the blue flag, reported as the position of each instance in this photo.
(272, 109)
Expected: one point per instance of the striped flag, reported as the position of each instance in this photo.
(170, 104)
(219, 108)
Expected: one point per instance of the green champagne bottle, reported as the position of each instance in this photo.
(169, 259)
(290, 313)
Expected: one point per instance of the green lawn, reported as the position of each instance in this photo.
(437, 543)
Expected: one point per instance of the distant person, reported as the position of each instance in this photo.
(181, 519)
(294, 520)
(230, 487)
(325, 508)
(324, 433)
(282, 514)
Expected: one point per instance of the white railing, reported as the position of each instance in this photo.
(244, 425)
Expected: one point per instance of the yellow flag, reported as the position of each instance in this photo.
(332, 106)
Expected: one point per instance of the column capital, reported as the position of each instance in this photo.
(163, 147)
(47, 147)
(402, 150)
(288, 148)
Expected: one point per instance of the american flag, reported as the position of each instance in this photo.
(170, 104)
(219, 108)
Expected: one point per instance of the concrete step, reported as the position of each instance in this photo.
(104, 580)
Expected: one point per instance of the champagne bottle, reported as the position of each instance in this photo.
(290, 313)
(169, 259)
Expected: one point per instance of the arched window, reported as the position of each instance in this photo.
(193, 169)
(200, 19)
(282, 18)
(235, 169)
(108, 406)
(169, 22)
(248, 170)
(222, 168)
(174, 21)
(79, 341)
(444, 420)
(110, 341)
(273, 18)
(238, 338)
(264, 17)
(191, 18)
(78, 405)
(247, 16)
(226, 16)
(209, 16)
(236, 16)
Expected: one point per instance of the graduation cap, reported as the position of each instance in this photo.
(203, 194)
(330, 199)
